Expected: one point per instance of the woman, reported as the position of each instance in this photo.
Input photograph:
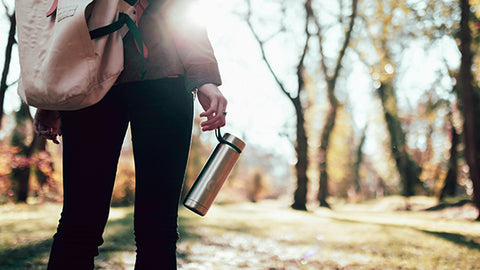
(159, 108)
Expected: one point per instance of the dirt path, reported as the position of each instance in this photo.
(269, 236)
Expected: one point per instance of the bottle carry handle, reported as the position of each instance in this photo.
(223, 141)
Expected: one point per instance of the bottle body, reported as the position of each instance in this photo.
(213, 175)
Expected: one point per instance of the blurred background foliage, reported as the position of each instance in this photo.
(344, 146)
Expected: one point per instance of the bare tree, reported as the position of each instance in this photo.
(28, 144)
(384, 36)
(450, 183)
(331, 80)
(358, 161)
(8, 57)
(331, 76)
(20, 175)
(301, 145)
(469, 101)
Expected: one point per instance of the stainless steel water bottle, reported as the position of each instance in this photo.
(214, 173)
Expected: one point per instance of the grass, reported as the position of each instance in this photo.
(268, 235)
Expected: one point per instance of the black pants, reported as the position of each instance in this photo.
(160, 113)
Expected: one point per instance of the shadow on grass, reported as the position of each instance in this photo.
(186, 228)
(189, 227)
(35, 255)
(30, 256)
(459, 239)
(118, 235)
(456, 238)
(449, 205)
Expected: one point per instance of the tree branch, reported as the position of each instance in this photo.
(346, 41)
(311, 16)
(6, 65)
(7, 11)
(301, 62)
(262, 50)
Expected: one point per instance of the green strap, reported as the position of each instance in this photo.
(108, 29)
(131, 2)
(138, 37)
(115, 26)
(220, 138)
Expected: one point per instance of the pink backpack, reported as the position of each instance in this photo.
(71, 51)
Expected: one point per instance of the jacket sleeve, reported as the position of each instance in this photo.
(193, 46)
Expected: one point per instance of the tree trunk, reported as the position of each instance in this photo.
(407, 168)
(325, 138)
(21, 185)
(358, 162)
(476, 184)
(450, 184)
(301, 146)
(20, 175)
(334, 104)
(6, 65)
(39, 144)
(467, 101)
(300, 195)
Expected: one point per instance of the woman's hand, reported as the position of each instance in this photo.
(214, 104)
(47, 124)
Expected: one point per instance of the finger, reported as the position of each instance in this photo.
(214, 125)
(49, 134)
(212, 109)
(45, 132)
(43, 128)
(55, 131)
(35, 128)
(217, 120)
(216, 117)
(218, 114)
(53, 138)
(209, 113)
(222, 112)
(55, 141)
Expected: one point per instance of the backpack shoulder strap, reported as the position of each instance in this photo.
(53, 8)
(117, 25)
(108, 29)
(124, 19)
